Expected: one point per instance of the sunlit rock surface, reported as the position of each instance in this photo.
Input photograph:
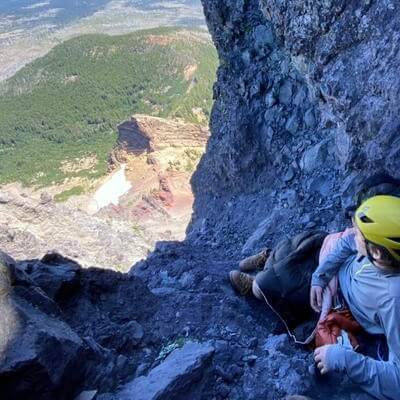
(160, 156)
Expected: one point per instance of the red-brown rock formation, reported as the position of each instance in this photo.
(161, 156)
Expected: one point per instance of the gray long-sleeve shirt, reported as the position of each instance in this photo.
(374, 300)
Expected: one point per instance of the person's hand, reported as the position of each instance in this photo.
(316, 298)
(320, 358)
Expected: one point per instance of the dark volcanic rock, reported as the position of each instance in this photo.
(63, 328)
(42, 355)
(306, 91)
(131, 334)
(172, 378)
(114, 330)
(54, 274)
(39, 352)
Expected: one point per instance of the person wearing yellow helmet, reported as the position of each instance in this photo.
(378, 222)
(368, 267)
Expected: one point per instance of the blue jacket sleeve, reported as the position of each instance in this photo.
(378, 378)
(345, 248)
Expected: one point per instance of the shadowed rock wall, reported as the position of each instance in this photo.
(306, 103)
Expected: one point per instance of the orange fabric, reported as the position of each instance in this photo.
(330, 328)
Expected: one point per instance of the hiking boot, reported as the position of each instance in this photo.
(241, 282)
(254, 262)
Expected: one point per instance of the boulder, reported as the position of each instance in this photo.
(123, 337)
(54, 274)
(6, 197)
(263, 35)
(257, 240)
(171, 378)
(276, 343)
(275, 222)
(39, 353)
(6, 275)
(314, 157)
(343, 147)
(309, 119)
(87, 395)
(292, 124)
(45, 198)
(286, 92)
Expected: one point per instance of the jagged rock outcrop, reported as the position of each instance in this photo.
(177, 374)
(64, 327)
(39, 352)
(306, 100)
(109, 333)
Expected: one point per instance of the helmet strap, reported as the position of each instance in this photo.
(371, 258)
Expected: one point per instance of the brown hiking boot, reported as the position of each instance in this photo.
(241, 282)
(254, 262)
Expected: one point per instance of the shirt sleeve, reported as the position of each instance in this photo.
(378, 378)
(345, 248)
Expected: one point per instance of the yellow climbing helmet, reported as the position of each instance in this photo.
(378, 219)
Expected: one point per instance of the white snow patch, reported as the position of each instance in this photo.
(111, 191)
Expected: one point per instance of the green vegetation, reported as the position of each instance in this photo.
(66, 194)
(67, 105)
(167, 349)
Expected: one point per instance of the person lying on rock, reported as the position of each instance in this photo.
(377, 184)
(366, 260)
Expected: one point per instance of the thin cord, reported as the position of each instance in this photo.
(292, 336)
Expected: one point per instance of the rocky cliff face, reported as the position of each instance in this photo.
(306, 103)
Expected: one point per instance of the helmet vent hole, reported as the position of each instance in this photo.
(365, 219)
(396, 239)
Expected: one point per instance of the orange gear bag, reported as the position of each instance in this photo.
(332, 328)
